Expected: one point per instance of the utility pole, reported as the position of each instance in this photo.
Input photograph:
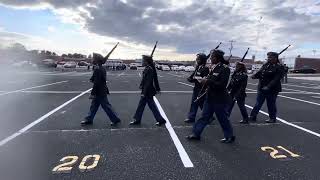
(231, 46)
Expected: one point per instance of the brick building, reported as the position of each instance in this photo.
(301, 63)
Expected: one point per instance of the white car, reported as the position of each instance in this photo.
(189, 69)
(175, 68)
(181, 68)
(70, 65)
(165, 68)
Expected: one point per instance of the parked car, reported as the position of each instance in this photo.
(49, 63)
(70, 65)
(175, 68)
(182, 68)
(165, 68)
(83, 63)
(305, 70)
(189, 69)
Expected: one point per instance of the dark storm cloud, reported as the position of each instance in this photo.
(194, 27)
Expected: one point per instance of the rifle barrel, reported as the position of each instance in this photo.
(154, 48)
(244, 56)
(284, 49)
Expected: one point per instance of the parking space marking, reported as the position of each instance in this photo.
(182, 152)
(301, 100)
(175, 75)
(26, 128)
(186, 84)
(288, 123)
(33, 87)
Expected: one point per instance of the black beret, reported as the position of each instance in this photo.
(272, 54)
(217, 52)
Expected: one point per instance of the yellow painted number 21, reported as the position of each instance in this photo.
(274, 153)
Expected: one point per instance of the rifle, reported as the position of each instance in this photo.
(284, 50)
(206, 91)
(107, 56)
(214, 49)
(244, 56)
(154, 48)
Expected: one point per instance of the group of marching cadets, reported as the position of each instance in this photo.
(220, 96)
(212, 92)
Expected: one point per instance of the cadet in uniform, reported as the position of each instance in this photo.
(99, 93)
(269, 86)
(237, 89)
(217, 99)
(200, 71)
(150, 87)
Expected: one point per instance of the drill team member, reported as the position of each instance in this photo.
(237, 89)
(99, 93)
(217, 99)
(269, 87)
(200, 71)
(150, 87)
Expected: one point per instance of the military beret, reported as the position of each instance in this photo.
(217, 52)
(98, 57)
(272, 54)
(202, 56)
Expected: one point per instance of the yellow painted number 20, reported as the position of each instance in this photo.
(69, 161)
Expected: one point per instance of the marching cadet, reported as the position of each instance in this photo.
(150, 87)
(200, 71)
(99, 93)
(269, 86)
(217, 99)
(237, 89)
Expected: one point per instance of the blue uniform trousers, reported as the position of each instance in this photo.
(106, 106)
(221, 111)
(271, 104)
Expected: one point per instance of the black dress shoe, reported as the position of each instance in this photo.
(271, 121)
(135, 122)
(160, 123)
(228, 140)
(253, 118)
(193, 137)
(115, 123)
(244, 121)
(189, 120)
(86, 122)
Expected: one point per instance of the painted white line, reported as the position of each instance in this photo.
(139, 74)
(182, 152)
(186, 84)
(120, 74)
(4, 141)
(301, 100)
(310, 84)
(288, 123)
(175, 75)
(316, 97)
(32, 88)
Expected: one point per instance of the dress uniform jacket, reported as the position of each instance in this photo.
(217, 84)
(270, 76)
(238, 84)
(98, 79)
(149, 84)
(201, 71)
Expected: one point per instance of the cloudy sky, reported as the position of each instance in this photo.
(182, 27)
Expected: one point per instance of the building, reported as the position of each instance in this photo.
(303, 63)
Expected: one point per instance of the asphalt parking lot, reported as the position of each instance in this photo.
(40, 125)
